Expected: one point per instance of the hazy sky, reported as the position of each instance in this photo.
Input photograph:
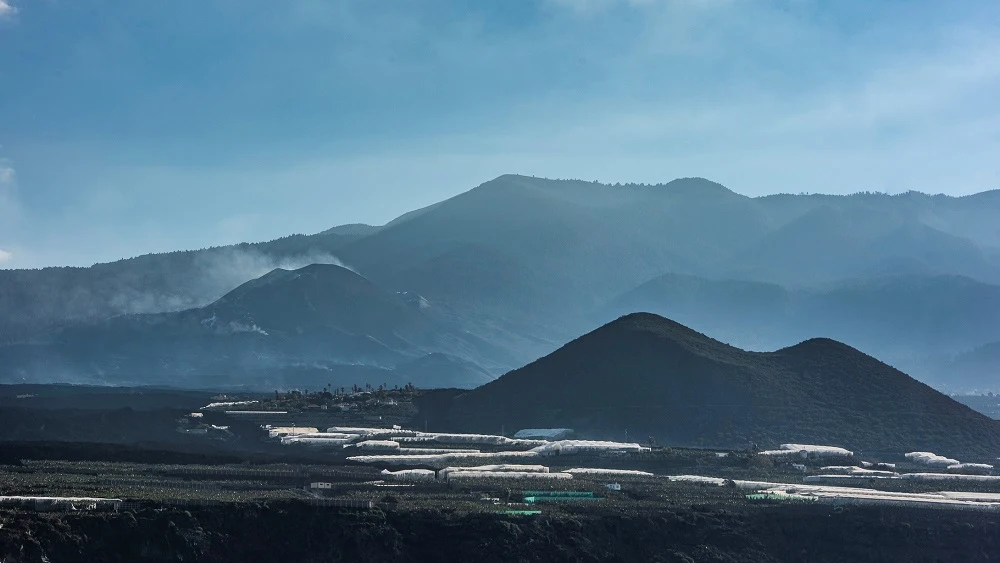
(132, 126)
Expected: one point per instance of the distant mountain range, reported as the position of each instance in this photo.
(978, 367)
(506, 272)
(646, 376)
(914, 321)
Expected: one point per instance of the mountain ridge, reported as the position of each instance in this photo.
(524, 262)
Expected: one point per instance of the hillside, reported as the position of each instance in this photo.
(835, 242)
(319, 323)
(649, 376)
(316, 297)
(555, 242)
(33, 301)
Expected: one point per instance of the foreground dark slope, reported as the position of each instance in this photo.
(676, 533)
(650, 376)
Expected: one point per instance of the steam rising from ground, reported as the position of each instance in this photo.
(211, 275)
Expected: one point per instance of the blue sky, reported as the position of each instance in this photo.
(131, 126)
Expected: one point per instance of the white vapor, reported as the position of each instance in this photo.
(10, 208)
(6, 10)
(8, 183)
(213, 273)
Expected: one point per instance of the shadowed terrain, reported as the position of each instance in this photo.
(645, 375)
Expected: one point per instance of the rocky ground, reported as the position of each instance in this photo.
(296, 532)
(168, 478)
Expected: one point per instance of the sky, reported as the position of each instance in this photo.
(132, 127)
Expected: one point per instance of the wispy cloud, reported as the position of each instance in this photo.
(6, 9)
(6, 174)
(359, 111)
(589, 7)
(9, 204)
(586, 7)
(11, 211)
(940, 93)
